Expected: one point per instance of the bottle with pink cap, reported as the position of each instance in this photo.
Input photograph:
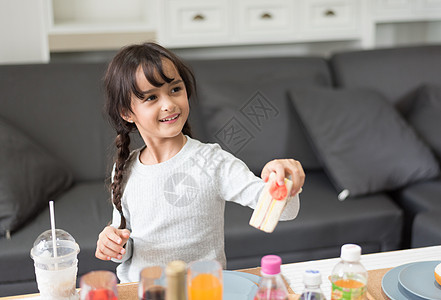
(271, 285)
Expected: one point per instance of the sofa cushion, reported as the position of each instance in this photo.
(420, 197)
(60, 105)
(426, 229)
(253, 122)
(424, 114)
(364, 143)
(227, 85)
(393, 72)
(321, 227)
(29, 178)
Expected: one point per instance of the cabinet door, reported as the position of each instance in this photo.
(428, 9)
(194, 22)
(331, 19)
(389, 10)
(407, 10)
(265, 20)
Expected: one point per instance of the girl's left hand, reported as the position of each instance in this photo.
(283, 168)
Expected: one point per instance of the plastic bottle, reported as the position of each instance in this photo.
(312, 280)
(349, 277)
(176, 284)
(271, 285)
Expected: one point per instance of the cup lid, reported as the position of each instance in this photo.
(43, 246)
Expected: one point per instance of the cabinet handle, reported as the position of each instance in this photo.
(266, 16)
(199, 17)
(330, 13)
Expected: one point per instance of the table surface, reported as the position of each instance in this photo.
(377, 265)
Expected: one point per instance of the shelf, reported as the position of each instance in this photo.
(83, 25)
(98, 27)
(65, 42)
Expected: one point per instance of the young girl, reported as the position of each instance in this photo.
(169, 196)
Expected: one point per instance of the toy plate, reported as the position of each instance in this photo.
(239, 285)
(392, 288)
(419, 279)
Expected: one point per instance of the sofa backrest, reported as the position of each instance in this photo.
(242, 104)
(394, 72)
(60, 107)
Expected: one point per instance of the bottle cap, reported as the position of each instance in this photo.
(350, 252)
(312, 277)
(176, 268)
(271, 264)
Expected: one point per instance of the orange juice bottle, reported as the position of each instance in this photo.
(349, 277)
(205, 286)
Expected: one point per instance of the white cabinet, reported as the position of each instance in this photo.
(428, 9)
(262, 20)
(187, 23)
(84, 25)
(404, 22)
(331, 19)
(407, 10)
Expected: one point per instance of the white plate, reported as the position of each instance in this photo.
(239, 285)
(419, 279)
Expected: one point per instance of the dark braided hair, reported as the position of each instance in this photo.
(120, 85)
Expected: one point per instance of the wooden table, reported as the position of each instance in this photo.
(377, 264)
(129, 291)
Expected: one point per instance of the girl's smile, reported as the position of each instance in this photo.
(170, 119)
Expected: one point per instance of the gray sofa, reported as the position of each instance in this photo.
(254, 108)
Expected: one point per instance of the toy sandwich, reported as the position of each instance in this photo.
(272, 202)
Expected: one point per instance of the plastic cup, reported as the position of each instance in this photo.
(152, 283)
(204, 280)
(56, 271)
(98, 285)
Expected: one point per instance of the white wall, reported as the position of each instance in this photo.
(23, 33)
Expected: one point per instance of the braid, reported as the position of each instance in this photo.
(122, 143)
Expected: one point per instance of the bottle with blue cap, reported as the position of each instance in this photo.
(312, 280)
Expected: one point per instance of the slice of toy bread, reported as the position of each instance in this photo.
(272, 202)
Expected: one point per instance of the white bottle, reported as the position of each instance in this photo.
(349, 277)
(312, 280)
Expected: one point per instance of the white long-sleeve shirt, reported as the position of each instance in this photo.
(175, 209)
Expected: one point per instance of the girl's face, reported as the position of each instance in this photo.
(163, 110)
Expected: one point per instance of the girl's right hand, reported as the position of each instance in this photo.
(111, 243)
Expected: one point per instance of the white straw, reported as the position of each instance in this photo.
(54, 237)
